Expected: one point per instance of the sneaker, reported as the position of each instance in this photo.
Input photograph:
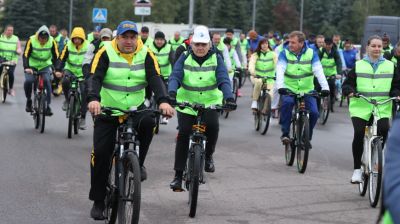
(254, 105)
(209, 165)
(285, 139)
(11, 92)
(164, 120)
(239, 93)
(357, 177)
(48, 111)
(28, 107)
(82, 124)
(176, 184)
(143, 173)
(97, 210)
(65, 105)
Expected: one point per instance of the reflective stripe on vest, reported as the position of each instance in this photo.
(75, 58)
(328, 64)
(124, 84)
(40, 56)
(298, 75)
(265, 65)
(374, 85)
(8, 48)
(162, 56)
(199, 84)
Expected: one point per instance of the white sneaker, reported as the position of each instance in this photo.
(164, 120)
(254, 105)
(357, 176)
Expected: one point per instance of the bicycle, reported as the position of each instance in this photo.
(123, 189)
(235, 88)
(39, 102)
(262, 115)
(5, 79)
(300, 127)
(73, 112)
(193, 174)
(342, 97)
(372, 158)
(324, 109)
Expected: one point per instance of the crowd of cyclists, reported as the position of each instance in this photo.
(127, 68)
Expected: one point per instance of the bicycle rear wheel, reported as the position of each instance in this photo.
(42, 112)
(77, 111)
(71, 114)
(324, 110)
(265, 114)
(111, 200)
(130, 194)
(35, 114)
(375, 173)
(303, 139)
(290, 148)
(195, 166)
(5, 88)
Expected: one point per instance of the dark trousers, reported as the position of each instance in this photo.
(66, 84)
(359, 133)
(104, 136)
(185, 123)
(30, 79)
(332, 90)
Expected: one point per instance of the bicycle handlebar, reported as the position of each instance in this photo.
(264, 77)
(314, 93)
(131, 111)
(199, 107)
(373, 101)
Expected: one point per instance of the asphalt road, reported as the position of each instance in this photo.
(45, 177)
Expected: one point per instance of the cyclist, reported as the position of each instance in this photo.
(64, 39)
(294, 72)
(234, 59)
(220, 48)
(176, 40)
(94, 35)
(332, 65)
(121, 70)
(211, 87)
(10, 48)
(262, 63)
(336, 38)
(386, 45)
(185, 46)
(393, 55)
(40, 54)
(235, 43)
(165, 56)
(254, 38)
(376, 78)
(71, 61)
(320, 41)
(244, 45)
(350, 55)
(144, 36)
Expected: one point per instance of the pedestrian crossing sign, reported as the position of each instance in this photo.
(99, 15)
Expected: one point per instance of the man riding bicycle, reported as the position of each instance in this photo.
(199, 76)
(295, 72)
(10, 48)
(40, 54)
(121, 70)
(72, 57)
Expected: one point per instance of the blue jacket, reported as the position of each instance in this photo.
(223, 81)
(391, 181)
(350, 58)
(254, 43)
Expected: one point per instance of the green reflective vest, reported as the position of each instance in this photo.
(124, 85)
(388, 49)
(271, 43)
(394, 60)
(233, 62)
(387, 218)
(265, 65)
(221, 46)
(299, 76)
(162, 56)
(41, 55)
(374, 85)
(75, 59)
(8, 48)
(149, 41)
(244, 46)
(90, 37)
(58, 38)
(175, 43)
(199, 84)
(328, 64)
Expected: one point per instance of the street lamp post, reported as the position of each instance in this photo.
(254, 15)
(191, 9)
(71, 2)
(301, 15)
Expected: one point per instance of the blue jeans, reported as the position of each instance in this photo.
(286, 113)
(30, 79)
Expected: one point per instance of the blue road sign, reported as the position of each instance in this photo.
(99, 15)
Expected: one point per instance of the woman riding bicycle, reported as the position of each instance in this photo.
(376, 78)
(262, 63)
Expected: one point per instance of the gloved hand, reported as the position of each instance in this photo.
(172, 98)
(283, 91)
(230, 104)
(324, 92)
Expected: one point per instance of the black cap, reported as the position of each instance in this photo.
(328, 40)
(144, 29)
(229, 30)
(43, 34)
(227, 40)
(159, 34)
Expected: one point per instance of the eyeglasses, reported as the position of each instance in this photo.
(200, 44)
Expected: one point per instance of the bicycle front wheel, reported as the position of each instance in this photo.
(375, 172)
(130, 195)
(290, 148)
(71, 114)
(111, 200)
(362, 186)
(36, 117)
(77, 112)
(195, 167)
(5, 88)
(324, 110)
(42, 112)
(265, 115)
(303, 140)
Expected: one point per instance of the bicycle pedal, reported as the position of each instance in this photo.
(178, 190)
